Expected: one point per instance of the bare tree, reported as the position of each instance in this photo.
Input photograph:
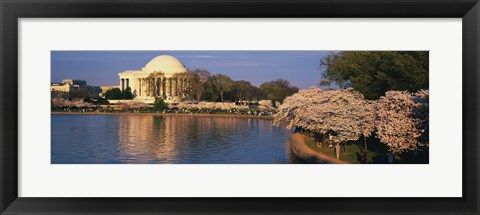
(197, 81)
(223, 84)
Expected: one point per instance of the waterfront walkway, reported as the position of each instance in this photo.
(306, 154)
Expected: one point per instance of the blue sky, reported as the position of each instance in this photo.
(102, 67)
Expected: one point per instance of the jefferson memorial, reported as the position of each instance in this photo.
(163, 77)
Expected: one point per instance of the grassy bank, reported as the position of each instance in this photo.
(350, 152)
(377, 152)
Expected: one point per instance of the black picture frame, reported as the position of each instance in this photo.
(12, 10)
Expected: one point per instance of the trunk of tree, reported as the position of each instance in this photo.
(365, 153)
(337, 150)
(198, 97)
(365, 143)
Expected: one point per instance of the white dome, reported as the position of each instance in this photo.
(166, 64)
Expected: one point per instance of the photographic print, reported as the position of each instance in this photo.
(239, 107)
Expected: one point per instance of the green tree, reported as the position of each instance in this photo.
(241, 90)
(209, 93)
(373, 73)
(100, 101)
(223, 84)
(127, 93)
(256, 94)
(159, 105)
(278, 90)
(113, 93)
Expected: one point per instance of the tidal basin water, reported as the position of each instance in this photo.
(145, 139)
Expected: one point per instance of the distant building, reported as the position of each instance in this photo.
(94, 90)
(80, 84)
(104, 89)
(60, 87)
(68, 85)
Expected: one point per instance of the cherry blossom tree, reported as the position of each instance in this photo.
(265, 105)
(225, 106)
(58, 102)
(138, 105)
(65, 103)
(79, 103)
(186, 106)
(400, 120)
(133, 105)
(367, 118)
(206, 105)
(339, 113)
(422, 97)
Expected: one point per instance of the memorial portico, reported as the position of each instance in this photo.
(163, 77)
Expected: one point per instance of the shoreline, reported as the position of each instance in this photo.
(308, 155)
(166, 114)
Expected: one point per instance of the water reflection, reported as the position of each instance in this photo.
(168, 139)
(142, 139)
